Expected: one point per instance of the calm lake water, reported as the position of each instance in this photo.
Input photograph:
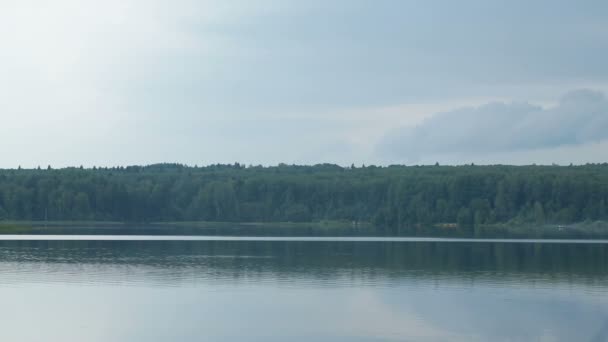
(292, 289)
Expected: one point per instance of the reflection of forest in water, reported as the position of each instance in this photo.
(172, 262)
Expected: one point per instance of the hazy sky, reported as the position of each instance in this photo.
(268, 81)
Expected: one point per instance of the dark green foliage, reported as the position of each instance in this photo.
(394, 196)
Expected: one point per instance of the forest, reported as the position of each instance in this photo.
(389, 196)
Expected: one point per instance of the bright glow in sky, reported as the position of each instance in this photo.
(266, 81)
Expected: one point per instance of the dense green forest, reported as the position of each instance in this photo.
(393, 196)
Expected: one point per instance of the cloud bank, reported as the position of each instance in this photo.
(266, 81)
(579, 118)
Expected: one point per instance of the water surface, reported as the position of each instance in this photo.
(70, 288)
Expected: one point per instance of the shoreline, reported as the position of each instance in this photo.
(583, 230)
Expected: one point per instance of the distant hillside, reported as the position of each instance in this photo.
(395, 196)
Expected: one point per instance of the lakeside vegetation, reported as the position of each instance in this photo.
(14, 228)
(584, 230)
(395, 198)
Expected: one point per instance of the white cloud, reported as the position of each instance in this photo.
(580, 117)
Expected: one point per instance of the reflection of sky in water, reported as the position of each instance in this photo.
(496, 313)
(262, 312)
(304, 293)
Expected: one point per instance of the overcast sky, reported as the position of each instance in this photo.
(267, 81)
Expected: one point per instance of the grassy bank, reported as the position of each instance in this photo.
(583, 230)
(286, 225)
(15, 228)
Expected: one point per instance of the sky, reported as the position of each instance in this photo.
(122, 82)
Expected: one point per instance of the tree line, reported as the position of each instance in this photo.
(391, 196)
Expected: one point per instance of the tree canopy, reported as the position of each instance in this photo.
(392, 196)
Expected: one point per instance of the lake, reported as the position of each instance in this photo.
(125, 288)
